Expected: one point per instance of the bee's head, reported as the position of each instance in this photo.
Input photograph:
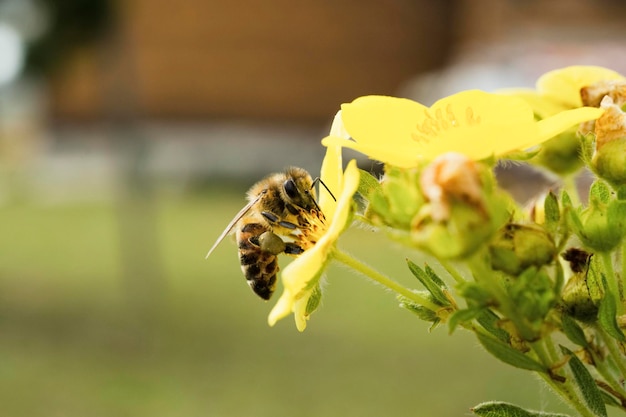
(298, 188)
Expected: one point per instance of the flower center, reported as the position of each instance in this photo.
(312, 226)
(434, 125)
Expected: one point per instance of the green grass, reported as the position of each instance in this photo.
(112, 310)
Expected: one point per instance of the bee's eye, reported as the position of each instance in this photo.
(290, 188)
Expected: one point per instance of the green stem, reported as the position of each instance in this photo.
(623, 262)
(547, 351)
(611, 278)
(614, 351)
(482, 273)
(454, 273)
(604, 369)
(383, 280)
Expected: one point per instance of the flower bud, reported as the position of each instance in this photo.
(561, 154)
(516, 247)
(593, 94)
(397, 200)
(609, 158)
(582, 292)
(462, 210)
(602, 227)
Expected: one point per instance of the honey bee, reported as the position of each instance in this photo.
(282, 204)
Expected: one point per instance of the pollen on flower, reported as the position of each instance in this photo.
(471, 118)
(433, 126)
(312, 226)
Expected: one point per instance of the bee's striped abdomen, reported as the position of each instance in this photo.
(259, 267)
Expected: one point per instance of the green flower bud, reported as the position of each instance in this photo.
(602, 227)
(582, 294)
(463, 207)
(516, 247)
(609, 162)
(398, 199)
(609, 158)
(561, 154)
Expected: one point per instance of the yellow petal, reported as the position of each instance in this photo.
(282, 308)
(542, 106)
(474, 123)
(553, 125)
(331, 175)
(299, 311)
(405, 157)
(375, 119)
(564, 84)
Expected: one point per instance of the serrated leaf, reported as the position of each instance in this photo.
(607, 317)
(599, 192)
(502, 409)
(507, 354)
(432, 286)
(434, 277)
(586, 384)
(551, 210)
(573, 331)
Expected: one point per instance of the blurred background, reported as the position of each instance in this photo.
(129, 133)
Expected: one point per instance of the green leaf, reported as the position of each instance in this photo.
(489, 320)
(422, 312)
(434, 286)
(462, 316)
(367, 184)
(586, 384)
(599, 193)
(552, 213)
(607, 317)
(610, 400)
(434, 277)
(502, 409)
(507, 354)
(573, 331)
(566, 200)
(575, 222)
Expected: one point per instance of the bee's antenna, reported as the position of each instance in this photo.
(322, 182)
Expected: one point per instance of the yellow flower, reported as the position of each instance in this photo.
(301, 277)
(564, 85)
(474, 123)
(564, 89)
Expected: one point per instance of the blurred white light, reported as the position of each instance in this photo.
(11, 54)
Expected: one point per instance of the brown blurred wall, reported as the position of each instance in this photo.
(276, 60)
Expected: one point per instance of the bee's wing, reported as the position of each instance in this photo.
(233, 222)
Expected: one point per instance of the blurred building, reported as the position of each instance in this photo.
(273, 60)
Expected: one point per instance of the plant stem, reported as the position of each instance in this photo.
(614, 351)
(482, 273)
(550, 357)
(454, 273)
(607, 261)
(383, 280)
(623, 262)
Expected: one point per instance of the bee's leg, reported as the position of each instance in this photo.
(293, 249)
(272, 243)
(275, 220)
